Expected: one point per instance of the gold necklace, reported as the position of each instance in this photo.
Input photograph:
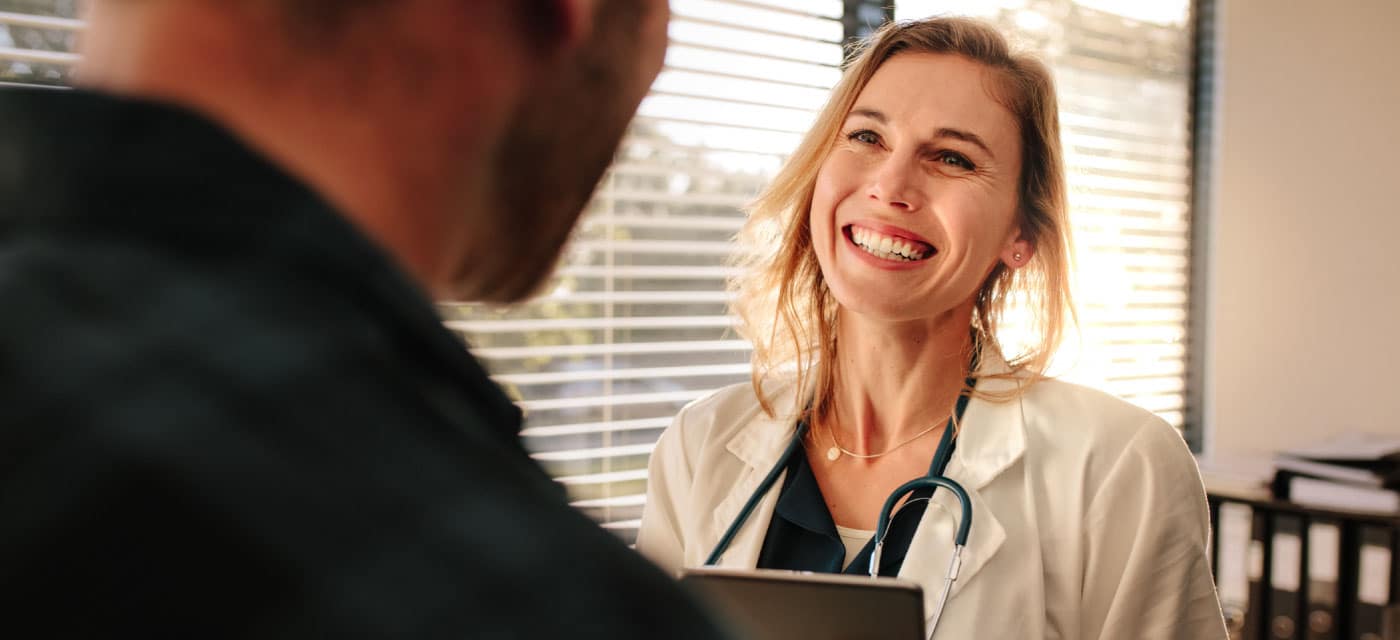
(836, 449)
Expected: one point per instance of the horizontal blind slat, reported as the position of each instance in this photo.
(36, 56)
(621, 348)
(632, 500)
(695, 371)
(614, 426)
(555, 324)
(698, 223)
(740, 13)
(654, 246)
(662, 397)
(588, 454)
(656, 272)
(604, 477)
(41, 21)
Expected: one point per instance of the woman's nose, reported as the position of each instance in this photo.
(893, 184)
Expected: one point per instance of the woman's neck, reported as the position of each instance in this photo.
(895, 380)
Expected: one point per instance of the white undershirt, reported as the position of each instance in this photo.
(855, 540)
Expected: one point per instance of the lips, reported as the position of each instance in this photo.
(886, 243)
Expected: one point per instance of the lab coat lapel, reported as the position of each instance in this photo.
(991, 439)
(759, 445)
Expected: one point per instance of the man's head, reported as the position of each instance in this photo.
(558, 143)
(465, 137)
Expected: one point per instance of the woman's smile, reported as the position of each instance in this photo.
(889, 247)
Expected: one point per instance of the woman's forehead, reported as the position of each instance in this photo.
(924, 92)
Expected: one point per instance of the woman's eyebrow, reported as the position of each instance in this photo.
(869, 113)
(944, 132)
(965, 136)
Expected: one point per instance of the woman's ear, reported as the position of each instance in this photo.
(1017, 252)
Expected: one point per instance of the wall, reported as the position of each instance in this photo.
(1303, 322)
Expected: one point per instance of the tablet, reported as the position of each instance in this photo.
(767, 604)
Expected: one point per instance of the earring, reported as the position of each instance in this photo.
(1016, 257)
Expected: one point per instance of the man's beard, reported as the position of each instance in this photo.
(549, 160)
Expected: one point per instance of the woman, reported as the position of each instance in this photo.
(927, 199)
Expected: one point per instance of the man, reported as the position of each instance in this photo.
(228, 408)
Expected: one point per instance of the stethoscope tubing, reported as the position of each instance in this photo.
(934, 479)
(763, 488)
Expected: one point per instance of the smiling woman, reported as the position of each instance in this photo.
(929, 195)
(900, 178)
(781, 294)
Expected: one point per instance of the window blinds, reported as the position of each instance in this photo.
(1123, 72)
(37, 40)
(635, 323)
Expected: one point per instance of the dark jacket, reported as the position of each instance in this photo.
(225, 413)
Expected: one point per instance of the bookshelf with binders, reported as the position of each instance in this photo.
(1286, 571)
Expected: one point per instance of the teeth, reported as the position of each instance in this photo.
(886, 247)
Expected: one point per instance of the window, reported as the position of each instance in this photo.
(635, 323)
(37, 39)
(1123, 70)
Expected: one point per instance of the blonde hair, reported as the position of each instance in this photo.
(781, 298)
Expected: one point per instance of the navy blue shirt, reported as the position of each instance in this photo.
(803, 537)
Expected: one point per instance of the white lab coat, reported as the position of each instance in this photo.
(1089, 519)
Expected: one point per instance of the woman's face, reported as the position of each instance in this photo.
(916, 203)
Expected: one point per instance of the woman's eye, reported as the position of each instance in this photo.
(865, 136)
(956, 160)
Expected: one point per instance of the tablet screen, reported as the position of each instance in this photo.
(765, 604)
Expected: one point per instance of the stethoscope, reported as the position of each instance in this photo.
(933, 480)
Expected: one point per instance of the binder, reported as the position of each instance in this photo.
(1233, 532)
(1213, 540)
(1256, 612)
(1324, 549)
(1305, 573)
(1372, 586)
(1286, 577)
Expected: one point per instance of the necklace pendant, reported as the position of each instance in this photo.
(833, 453)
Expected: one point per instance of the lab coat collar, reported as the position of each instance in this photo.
(759, 443)
(992, 435)
(991, 439)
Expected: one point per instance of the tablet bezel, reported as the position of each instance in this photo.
(817, 622)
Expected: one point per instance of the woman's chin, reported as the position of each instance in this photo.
(881, 303)
(882, 307)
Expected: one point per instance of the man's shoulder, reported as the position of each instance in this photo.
(89, 299)
(133, 346)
